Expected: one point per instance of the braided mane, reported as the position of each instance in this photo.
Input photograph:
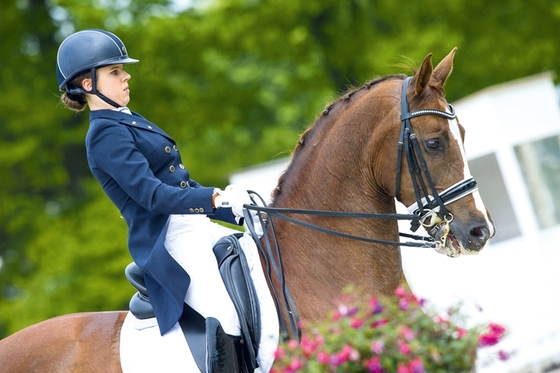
(346, 97)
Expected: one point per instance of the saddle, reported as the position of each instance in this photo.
(213, 350)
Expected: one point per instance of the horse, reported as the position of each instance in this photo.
(396, 137)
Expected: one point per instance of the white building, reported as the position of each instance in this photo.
(513, 145)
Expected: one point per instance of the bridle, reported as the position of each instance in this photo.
(427, 206)
(429, 210)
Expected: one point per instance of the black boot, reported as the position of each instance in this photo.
(224, 353)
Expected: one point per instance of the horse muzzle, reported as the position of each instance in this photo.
(453, 237)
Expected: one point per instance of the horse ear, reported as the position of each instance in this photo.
(443, 69)
(422, 75)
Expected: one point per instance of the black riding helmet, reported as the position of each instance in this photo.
(85, 51)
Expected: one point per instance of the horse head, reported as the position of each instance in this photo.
(434, 178)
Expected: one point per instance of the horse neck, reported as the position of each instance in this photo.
(333, 165)
(332, 170)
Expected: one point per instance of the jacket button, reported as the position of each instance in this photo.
(175, 148)
(171, 168)
(167, 149)
(201, 210)
(183, 184)
(134, 122)
(149, 127)
(191, 209)
(181, 166)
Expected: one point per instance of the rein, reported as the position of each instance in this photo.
(428, 206)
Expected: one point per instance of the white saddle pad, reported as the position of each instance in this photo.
(144, 350)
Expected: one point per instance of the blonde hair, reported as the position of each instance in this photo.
(76, 101)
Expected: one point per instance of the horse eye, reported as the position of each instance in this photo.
(433, 144)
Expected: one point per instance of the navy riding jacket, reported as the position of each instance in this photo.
(140, 169)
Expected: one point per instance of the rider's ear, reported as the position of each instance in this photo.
(87, 84)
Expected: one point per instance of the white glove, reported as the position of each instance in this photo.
(233, 197)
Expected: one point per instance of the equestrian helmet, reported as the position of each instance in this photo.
(85, 51)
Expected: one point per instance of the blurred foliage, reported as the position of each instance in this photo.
(234, 81)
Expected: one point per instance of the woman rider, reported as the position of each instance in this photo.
(140, 169)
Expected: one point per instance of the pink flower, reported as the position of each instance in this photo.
(407, 333)
(404, 348)
(279, 353)
(492, 336)
(356, 323)
(348, 353)
(354, 355)
(344, 310)
(323, 357)
(336, 316)
(404, 304)
(293, 344)
(374, 365)
(334, 360)
(378, 323)
(403, 369)
(488, 339)
(377, 347)
(416, 366)
(496, 329)
(307, 346)
(502, 355)
(461, 332)
(295, 364)
(400, 292)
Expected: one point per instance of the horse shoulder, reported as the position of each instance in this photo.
(65, 344)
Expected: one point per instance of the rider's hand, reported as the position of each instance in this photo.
(233, 197)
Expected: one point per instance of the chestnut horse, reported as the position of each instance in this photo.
(391, 138)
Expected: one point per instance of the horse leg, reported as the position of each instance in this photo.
(85, 342)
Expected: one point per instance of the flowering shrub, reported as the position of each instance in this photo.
(393, 334)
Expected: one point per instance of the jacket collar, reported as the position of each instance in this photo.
(133, 120)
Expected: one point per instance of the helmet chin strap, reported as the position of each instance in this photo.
(94, 90)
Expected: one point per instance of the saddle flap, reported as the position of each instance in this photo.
(237, 279)
(226, 246)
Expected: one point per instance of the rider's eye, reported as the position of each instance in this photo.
(433, 144)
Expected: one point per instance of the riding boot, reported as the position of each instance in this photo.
(224, 353)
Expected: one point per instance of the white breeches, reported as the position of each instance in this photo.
(189, 240)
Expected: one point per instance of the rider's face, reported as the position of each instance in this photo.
(112, 82)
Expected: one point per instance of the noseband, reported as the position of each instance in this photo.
(427, 205)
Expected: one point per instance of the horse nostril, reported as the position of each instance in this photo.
(479, 235)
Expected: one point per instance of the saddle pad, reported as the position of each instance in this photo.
(144, 350)
(270, 328)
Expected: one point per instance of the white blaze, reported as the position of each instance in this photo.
(454, 127)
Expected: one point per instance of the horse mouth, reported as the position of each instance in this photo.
(446, 243)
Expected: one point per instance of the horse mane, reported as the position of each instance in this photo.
(345, 97)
